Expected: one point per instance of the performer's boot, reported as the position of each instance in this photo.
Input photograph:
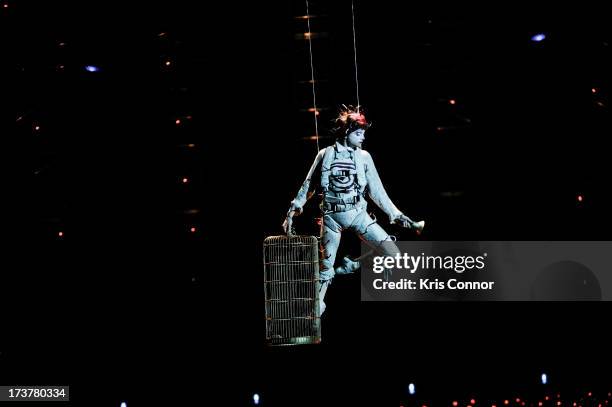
(322, 291)
(348, 266)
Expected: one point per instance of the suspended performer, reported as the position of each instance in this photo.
(345, 173)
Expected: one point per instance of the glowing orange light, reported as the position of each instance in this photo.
(506, 402)
(307, 35)
(191, 145)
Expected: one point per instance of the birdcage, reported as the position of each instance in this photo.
(291, 279)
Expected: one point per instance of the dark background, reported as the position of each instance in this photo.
(130, 304)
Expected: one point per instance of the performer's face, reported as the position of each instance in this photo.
(355, 138)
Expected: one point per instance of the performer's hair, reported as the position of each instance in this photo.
(350, 119)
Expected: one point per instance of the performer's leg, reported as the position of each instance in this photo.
(374, 235)
(330, 240)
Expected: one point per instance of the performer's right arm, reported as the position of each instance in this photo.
(307, 189)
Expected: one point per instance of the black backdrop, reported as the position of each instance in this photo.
(130, 305)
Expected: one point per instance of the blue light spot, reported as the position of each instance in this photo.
(544, 378)
(411, 389)
(538, 37)
(255, 398)
(92, 68)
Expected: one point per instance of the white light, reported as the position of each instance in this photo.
(123, 404)
(538, 37)
(544, 378)
(255, 398)
(411, 388)
(91, 68)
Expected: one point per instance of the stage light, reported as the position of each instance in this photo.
(455, 403)
(452, 101)
(540, 404)
(544, 378)
(256, 399)
(123, 404)
(177, 121)
(506, 402)
(168, 63)
(60, 234)
(192, 229)
(594, 90)
(472, 401)
(518, 400)
(92, 68)
(538, 37)
(185, 180)
(411, 388)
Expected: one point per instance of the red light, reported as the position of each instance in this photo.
(192, 230)
(594, 90)
(60, 234)
(546, 398)
(455, 403)
(575, 404)
(518, 400)
(540, 404)
(452, 101)
(177, 121)
(493, 405)
(5, 5)
(472, 401)
(558, 403)
(590, 394)
(185, 180)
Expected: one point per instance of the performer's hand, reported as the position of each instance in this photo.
(406, 222)
(288, 223)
